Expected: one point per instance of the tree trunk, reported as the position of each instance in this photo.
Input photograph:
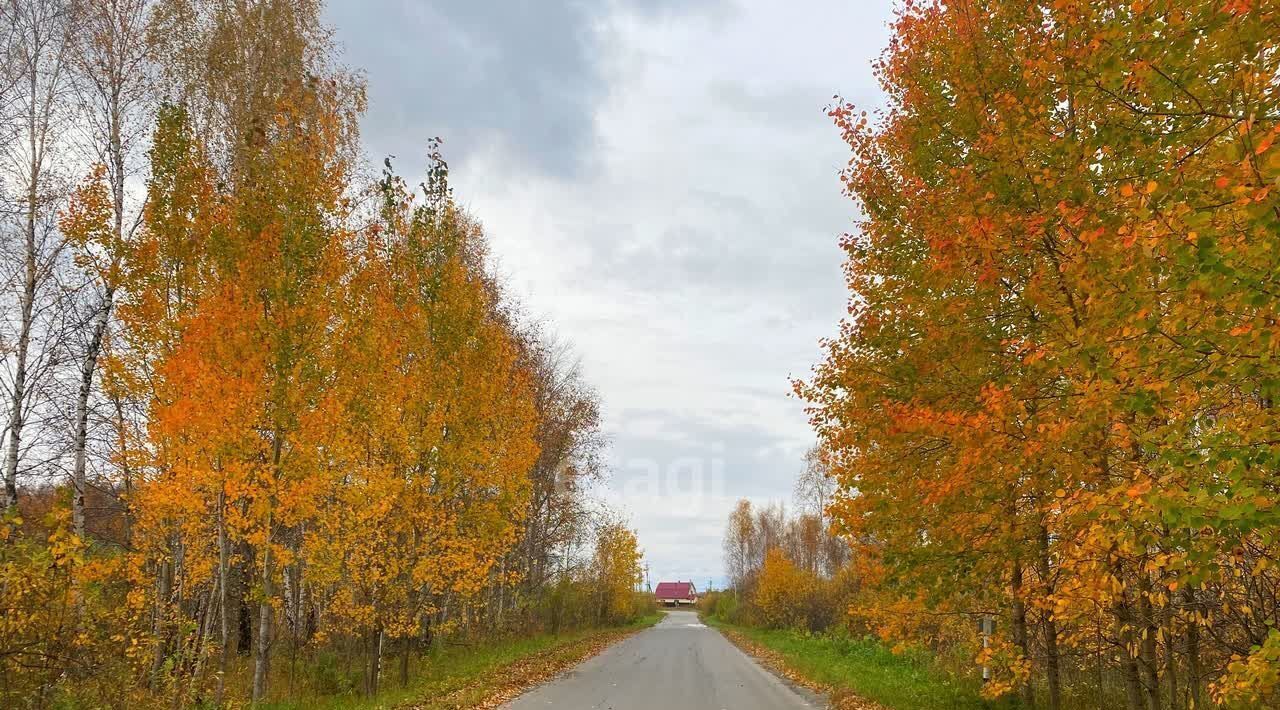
(28, 298)
(79, 482)
(374, 667)
(1051, 658)
(1170, 658)
(289, 582)
(1128, 663)
(224, 629)
(122, 441)
(1194, 672)
(406, 648)
(262, 649)
(262, 646)
(1147, 647)
(18, 396)
(200, 646)
(502, 592)
(159, 628)
(1019, 625)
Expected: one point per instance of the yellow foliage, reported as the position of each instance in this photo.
(783, 591)
(617, 572)
(1255, 678)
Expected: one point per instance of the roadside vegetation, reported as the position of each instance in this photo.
(273, 426)
(794, 583)
(853, 669)
(1051, 409)
(459, 674)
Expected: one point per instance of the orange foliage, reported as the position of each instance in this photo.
(1053, 400)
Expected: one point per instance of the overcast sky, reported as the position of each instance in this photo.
(659, 182)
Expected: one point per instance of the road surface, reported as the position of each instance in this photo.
(680, 664)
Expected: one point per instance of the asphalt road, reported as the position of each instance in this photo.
(680, 664)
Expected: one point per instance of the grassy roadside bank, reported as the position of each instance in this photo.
(479, 676)
(858, 674)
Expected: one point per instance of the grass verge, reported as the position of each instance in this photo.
(857, 674)
(483, 676)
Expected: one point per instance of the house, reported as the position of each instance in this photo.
(676, 593)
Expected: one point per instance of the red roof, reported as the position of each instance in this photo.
(675, 590)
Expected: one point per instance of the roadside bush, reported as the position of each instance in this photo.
(722, 606)
(642, 604)
(603, 593)
(578, 603)
(784, 592)
(562, 605)
(707, 603)
(727, 607)
(786, 595)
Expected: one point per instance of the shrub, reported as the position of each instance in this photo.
(783, 594)
(722, 606)
(727, 607)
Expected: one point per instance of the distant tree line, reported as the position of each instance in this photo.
(786, 570)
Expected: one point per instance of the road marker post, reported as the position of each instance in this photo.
(986, 627)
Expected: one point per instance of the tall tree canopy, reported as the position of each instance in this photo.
(259, 401)
(1053, 398)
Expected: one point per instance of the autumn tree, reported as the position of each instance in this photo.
(330, 428)
(109, 71)
(785, 570)
(740, 544)
(435, 422)
(617, 570)
(570, 445)
(815, 492)
(36, 112)
(1050, 400)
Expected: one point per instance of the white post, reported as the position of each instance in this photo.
(986, 627)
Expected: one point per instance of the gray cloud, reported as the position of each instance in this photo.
(526, 75)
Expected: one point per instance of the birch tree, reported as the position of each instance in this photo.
(37, 114)
(109, 72)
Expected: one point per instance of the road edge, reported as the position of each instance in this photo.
(514, 679)
(776, 663)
